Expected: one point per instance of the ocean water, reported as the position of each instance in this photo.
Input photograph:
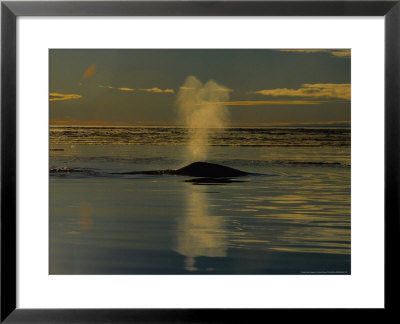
(290, 215)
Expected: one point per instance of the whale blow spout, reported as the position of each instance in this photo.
(211, 170)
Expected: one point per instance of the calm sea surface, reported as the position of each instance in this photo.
(290, 216)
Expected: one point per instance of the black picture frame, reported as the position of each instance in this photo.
(10, 10)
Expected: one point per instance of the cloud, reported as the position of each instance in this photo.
(89, 72)
(154, 90)
(158, 90)
(312, 90)
(264, 102)
(54, 96)
(218, 90)
(334, 52)
(75, 122)
(341, 53)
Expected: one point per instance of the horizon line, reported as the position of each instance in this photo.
(337, 123)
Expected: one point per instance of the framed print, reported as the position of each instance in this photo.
(188, 161)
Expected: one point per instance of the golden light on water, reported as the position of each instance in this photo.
(85, 215)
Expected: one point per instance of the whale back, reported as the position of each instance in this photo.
(206, 169)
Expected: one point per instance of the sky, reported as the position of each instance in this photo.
(141, 87)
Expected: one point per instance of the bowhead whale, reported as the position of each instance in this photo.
(211, 170)
(199, 169)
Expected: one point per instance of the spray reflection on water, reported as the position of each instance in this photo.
(199, 233)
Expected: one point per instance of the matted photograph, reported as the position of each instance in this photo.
(200, 161)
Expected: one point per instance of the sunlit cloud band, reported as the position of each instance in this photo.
(312, 90)
(334, 52)
(264, 102)
(158, 90)
(126, 89)
(54, 96)
(218, 90)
